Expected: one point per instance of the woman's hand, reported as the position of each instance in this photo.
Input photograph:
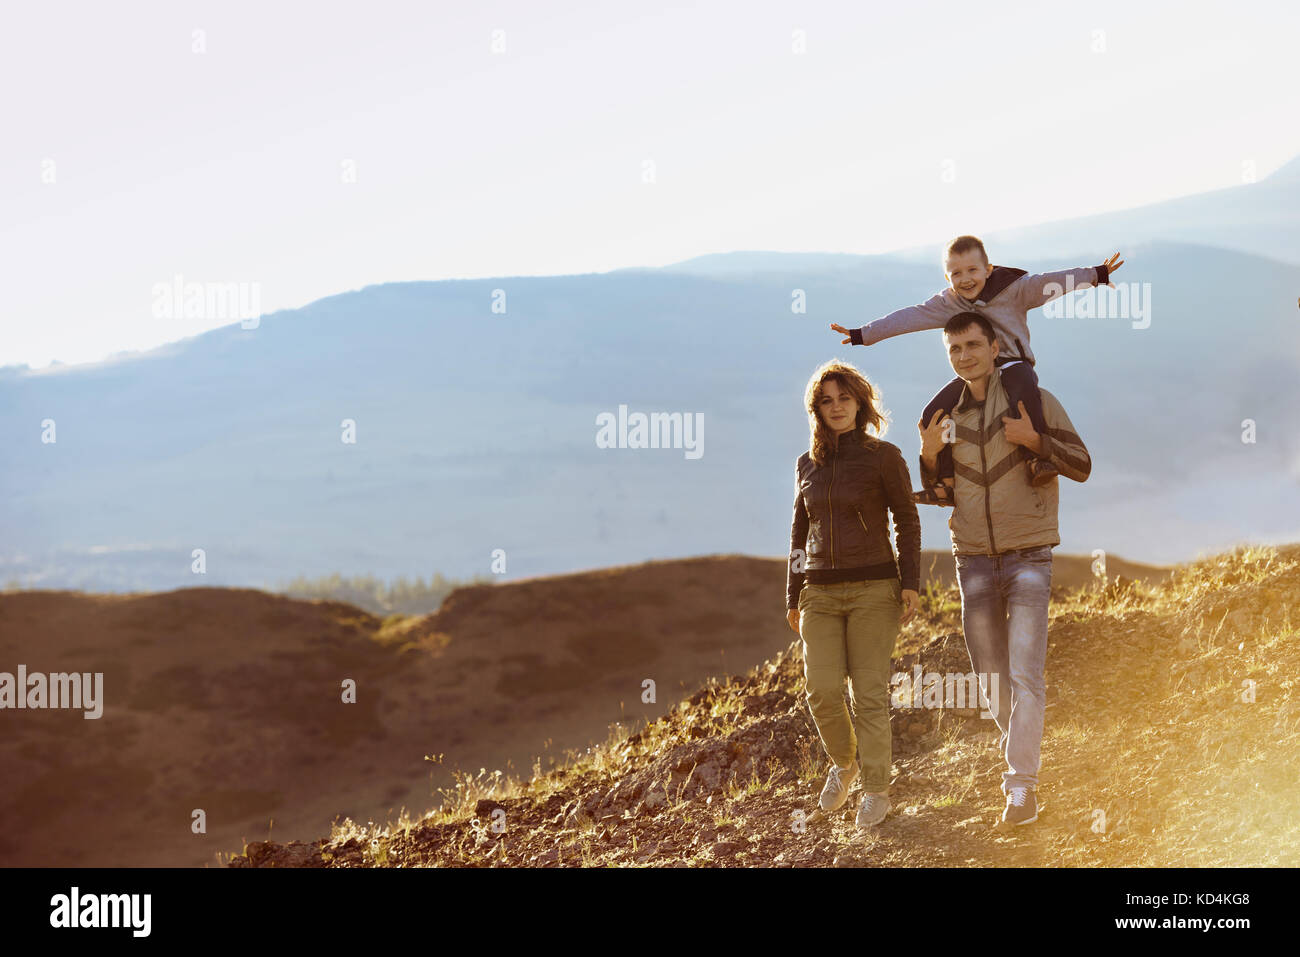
(842, 331)
(792, 616)
(911, 605)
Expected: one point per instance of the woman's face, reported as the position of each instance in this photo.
(837, 407)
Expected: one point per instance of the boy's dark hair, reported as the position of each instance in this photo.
(964, 244)
(964, 320)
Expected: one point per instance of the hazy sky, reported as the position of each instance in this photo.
(130, 157)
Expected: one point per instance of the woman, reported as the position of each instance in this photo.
(843, 590)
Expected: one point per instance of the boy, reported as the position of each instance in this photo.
(1004, 296)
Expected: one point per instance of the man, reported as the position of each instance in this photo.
(1003, 529)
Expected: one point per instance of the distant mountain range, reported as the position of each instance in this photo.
(1258, 218)
(477, 431)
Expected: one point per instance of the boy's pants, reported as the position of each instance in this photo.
(849, 630)
(1004, 602)
(1021, 385)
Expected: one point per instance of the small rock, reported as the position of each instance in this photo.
(293, 854)
(708, 775)
(257, 851)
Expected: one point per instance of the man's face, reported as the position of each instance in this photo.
(970, 353)
(967, 273)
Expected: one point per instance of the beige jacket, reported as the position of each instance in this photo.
(995, 508)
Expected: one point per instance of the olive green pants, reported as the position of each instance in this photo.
(848, 631)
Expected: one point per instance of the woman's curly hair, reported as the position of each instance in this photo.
(872, 420)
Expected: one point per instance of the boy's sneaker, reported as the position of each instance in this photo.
(1041, 471)
(836, 791)
(873, 809)
(1022, 807)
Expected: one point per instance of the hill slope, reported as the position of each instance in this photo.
(1153, 755)
(229, 699)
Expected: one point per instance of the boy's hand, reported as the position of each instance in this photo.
(1111, 264)
(1021, 431)
(842, 331)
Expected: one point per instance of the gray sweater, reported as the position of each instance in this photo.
(1005, 300)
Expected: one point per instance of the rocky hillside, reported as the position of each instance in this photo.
(1172, 729)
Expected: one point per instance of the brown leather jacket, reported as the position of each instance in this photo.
(841, 519)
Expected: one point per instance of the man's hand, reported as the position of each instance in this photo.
(842, 331)
(792, 616)
(932, 436)
(1111, 264)
(911, 605)
(1021, 431)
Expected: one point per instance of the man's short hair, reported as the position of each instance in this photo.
(964, 244)
(964, 320)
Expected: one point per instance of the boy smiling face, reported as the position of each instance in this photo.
(967, 273)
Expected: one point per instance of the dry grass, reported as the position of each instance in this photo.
(1171, 734)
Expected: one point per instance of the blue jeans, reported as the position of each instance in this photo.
(1004, 616)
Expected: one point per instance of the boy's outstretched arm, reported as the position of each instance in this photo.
(931, 314)
(1041, 288)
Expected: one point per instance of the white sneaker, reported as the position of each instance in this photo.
(836, 791)
(873, 809)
